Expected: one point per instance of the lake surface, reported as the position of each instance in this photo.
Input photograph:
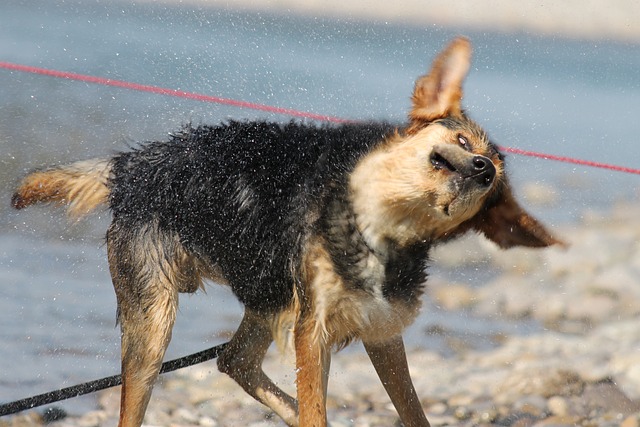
(57, 308)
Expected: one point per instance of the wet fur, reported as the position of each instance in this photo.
(322, 232)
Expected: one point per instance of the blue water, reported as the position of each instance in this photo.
(57, 308)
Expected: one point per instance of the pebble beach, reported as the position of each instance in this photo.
(581, 369)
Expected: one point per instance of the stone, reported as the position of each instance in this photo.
(531, 405)
(544, 382)
(558, 405)
(558, 421)
(607, 395)
(631, 421)
(453, 296)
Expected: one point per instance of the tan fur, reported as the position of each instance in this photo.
(154, 272)
(341, 314)
(81, 186)
(439, 93)
(397, 196)
(390, 362)
(312, 368)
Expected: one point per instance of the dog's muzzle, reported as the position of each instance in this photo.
(478, 168)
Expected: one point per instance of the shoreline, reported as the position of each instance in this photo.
(614, 20)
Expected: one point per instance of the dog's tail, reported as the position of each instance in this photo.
(82, 186)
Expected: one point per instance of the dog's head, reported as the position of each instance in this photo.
(442, 176)
(466, 169)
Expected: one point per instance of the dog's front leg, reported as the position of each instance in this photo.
(242, 361)
(313, 358)
(390, 361)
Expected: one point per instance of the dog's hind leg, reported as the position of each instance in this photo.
(390, 362)
(146, 273)
(242, 361)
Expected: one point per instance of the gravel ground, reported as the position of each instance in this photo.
(582, 368)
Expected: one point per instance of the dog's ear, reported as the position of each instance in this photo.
(438, 94)
(507, 224)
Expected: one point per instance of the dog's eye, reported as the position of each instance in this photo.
(464, 143)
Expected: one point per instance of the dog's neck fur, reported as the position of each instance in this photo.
(380, 266)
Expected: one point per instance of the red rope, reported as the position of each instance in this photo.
(268, 108)
(570, 160)
(168, 92)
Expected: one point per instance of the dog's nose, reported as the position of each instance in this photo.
(484, 169)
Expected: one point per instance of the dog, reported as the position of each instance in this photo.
(321, 231)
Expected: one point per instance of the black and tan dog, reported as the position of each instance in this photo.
(321, 231)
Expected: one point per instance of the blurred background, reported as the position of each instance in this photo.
(556, 77)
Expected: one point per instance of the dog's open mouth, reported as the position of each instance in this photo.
(476, 168)
(469, 177)
(440, 163)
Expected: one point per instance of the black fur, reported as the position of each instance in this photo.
(244, 195)
(402, 270)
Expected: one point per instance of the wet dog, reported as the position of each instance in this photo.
(322, 232)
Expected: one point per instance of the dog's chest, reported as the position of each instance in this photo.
(360, 292)
(388, 270)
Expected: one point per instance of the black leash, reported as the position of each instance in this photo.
(101, 384)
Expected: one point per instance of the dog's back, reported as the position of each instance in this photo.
(243, 195)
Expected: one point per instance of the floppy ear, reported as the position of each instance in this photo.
(439, 93)
(508, 225)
